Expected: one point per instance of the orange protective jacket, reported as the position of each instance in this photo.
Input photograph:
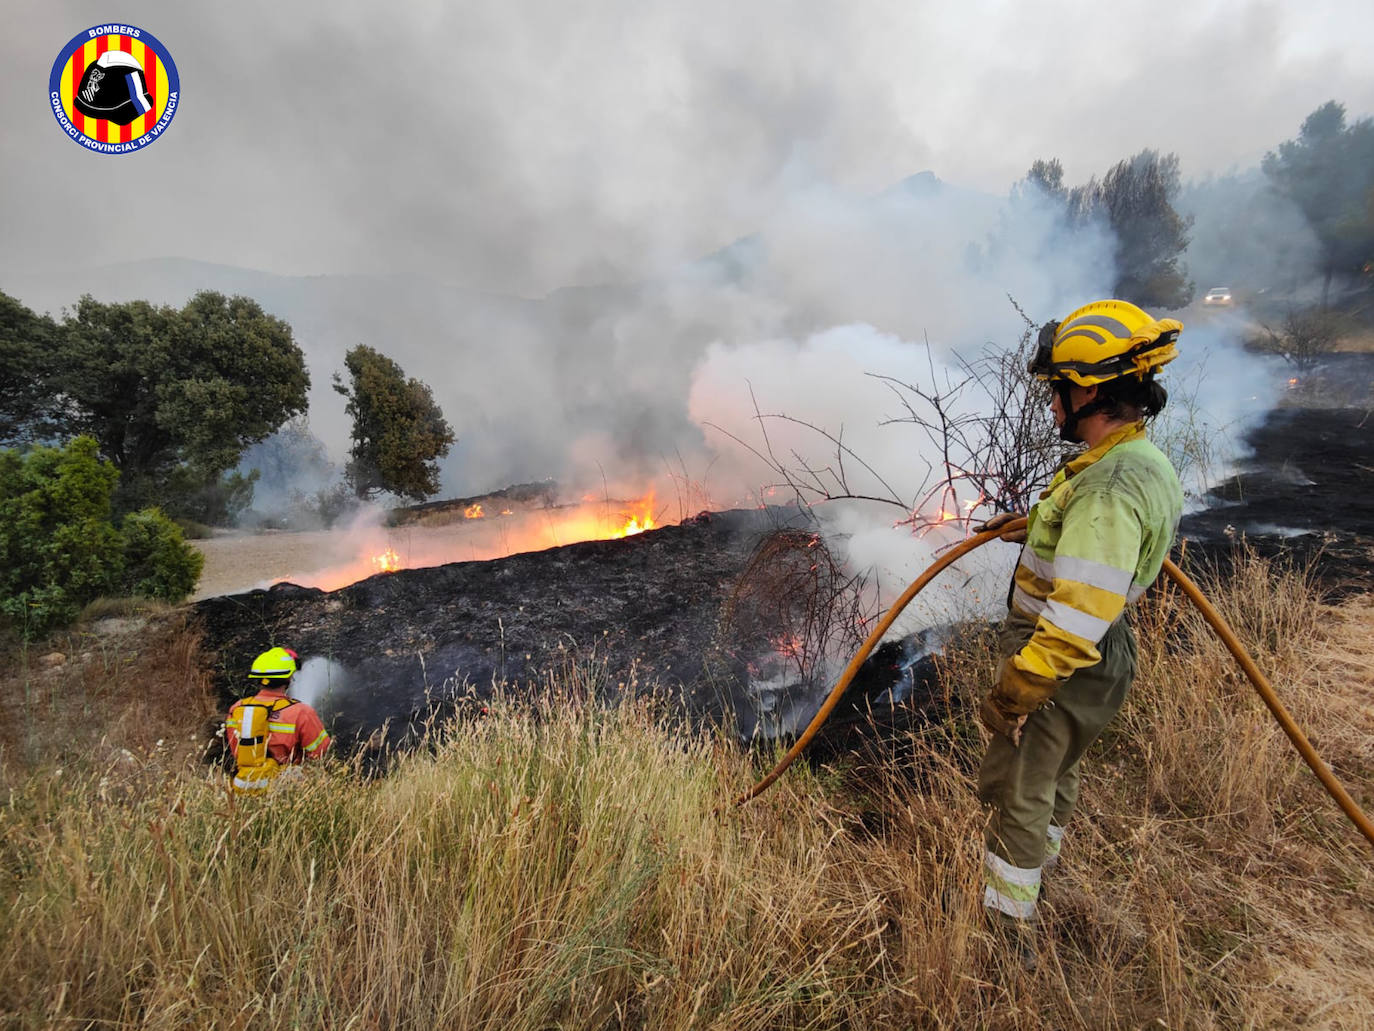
(296, 731)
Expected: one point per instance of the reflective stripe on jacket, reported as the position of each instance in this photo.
(296, 732)
(1096, 540)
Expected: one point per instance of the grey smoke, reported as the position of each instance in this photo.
(574, 221)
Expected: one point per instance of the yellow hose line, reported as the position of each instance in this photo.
(817, 721)
(1219, 626)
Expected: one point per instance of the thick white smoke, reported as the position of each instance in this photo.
(930, 271)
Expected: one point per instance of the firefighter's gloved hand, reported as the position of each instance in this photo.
(1020, 691)
(1001, 519)
(1000, 720)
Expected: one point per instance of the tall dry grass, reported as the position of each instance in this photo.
(130, 674)
(574, 865)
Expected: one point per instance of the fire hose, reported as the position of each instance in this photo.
(1214, 619)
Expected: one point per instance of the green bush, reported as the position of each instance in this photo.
(59, 548)
(158, 563)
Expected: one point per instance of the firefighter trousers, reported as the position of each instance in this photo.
(1034, 786)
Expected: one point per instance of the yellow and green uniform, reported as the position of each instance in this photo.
(1094, 543)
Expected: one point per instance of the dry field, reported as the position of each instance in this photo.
(571, 866)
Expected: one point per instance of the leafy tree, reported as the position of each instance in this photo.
(1247, 234)
(292, 458)
(57, 546)
(1328, 171)
(1135, 202)
(1137, 196)
(26, 367)
(59, 549)
(398, 430)
(174, 396)
(298, 484)
(1046, 177)
(209, 499)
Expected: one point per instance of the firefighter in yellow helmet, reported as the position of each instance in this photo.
(1095, 541)
(270, 731)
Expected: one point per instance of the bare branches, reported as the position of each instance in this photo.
(796, 600)
(989, 442)
(1305, 338)
(811, 484)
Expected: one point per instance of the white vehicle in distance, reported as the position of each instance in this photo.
(1218, 297)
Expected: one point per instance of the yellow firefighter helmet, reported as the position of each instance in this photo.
(1104, 341)
(274, 664)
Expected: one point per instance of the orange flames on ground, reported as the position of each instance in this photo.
(476, 537)
(387, 562)
(638, 519)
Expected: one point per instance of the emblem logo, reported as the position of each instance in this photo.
(114, 89)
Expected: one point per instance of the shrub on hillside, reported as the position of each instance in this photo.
(158, 563)
(59, 548)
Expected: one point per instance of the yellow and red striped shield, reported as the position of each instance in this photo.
(145, 81)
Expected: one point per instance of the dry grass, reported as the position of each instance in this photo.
(571, 866)
(128, 676)
(1356, 342)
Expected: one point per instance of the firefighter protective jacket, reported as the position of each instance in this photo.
(296, 731)
(1095, 542)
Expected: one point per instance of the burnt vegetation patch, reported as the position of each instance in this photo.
(695, 614)
(1306, 493)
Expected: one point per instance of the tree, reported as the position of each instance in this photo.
(398, 430)
(1328, 171)
(1047, 177)
(174, 396)
(59, 548)
(26, 368)
(298, 485)
(1137, 196)
(1305, 339)
(1134, 202)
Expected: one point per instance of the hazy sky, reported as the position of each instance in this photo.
(519, 146)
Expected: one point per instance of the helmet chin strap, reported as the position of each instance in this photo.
(1072, 416)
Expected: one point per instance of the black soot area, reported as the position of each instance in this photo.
(1306, 492)
(384, 658)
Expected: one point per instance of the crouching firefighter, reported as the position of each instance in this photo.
(1095, 541)
(270, 731)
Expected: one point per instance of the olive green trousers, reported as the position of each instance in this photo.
(1033, 786)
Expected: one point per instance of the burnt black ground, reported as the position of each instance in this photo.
(1307, 491)
(418, 642)
(425, 642)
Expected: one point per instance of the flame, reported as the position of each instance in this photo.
(480, 538)
(387, 562)
(638, 519)
(790, 645)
